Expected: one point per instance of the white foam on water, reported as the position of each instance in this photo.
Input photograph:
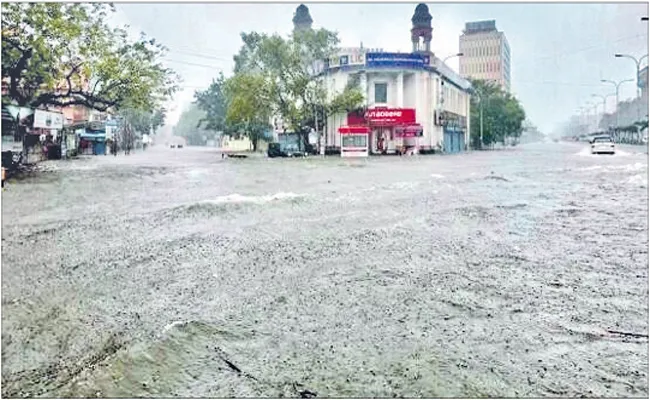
(639, 180)
(403, 185)
(238, 198)
(592, 168)
(630, 167)
(173, 324)
(437, 176)
(586, 152)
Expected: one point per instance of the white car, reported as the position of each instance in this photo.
(602, 145)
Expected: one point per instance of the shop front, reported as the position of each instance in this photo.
(454, 132)
(354, 140)
(390, 130)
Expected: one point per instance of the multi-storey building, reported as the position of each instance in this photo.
(411, 100)
(486, 53)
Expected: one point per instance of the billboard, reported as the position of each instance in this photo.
(383, 116)
(48, 119)
(399, 60)
(347, 57)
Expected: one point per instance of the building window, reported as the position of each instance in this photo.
(381, 93)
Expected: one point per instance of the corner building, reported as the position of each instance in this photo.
(412, 100)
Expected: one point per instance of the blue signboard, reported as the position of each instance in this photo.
(400, 60)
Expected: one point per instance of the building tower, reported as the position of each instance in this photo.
(421, 29)
(486, 53)
(301, 19)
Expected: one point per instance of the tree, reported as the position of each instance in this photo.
(289, 69)
(158, 119)
(214, 104)
(503, 115)
(62, 54)
(187, 126)
(249, 107)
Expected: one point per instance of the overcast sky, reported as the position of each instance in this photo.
(559, 52)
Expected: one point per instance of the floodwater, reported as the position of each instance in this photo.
(520, 272)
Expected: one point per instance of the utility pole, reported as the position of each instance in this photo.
(480, 102)
(617, 85)
(481, 121)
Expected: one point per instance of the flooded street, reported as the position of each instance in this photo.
(520, 272)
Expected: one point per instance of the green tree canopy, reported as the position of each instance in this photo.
(503, 115)
(188, 126)
(288, 70)
(249, 105)
(143, 122)
(214, 104)
(63, 54)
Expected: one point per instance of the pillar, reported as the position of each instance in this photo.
(400, 89)
(363, 83)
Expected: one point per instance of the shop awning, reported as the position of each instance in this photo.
(358, 129)
(94, 136)
(408, 130)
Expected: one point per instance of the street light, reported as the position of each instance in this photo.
(617, 85)
(638, 68)
(441, 92)
(644, 18)
(452, 56)
(480, 101)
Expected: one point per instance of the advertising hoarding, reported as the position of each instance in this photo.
(347, 57)
(48, 120)
(400, 60)
(390, 116)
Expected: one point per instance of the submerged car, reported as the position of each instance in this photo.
(602, 145)
(275, 150)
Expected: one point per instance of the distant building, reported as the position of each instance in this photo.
(486, 53)
(301, 19)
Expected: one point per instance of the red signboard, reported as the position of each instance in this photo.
(384, 117)
(354, 129)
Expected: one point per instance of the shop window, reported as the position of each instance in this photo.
(381, 93)
(354, 140)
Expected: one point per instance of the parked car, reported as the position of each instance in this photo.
(275, 150)
(602, 145)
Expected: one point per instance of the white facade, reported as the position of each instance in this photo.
(417, 88)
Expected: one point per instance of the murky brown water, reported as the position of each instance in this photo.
(176, 273)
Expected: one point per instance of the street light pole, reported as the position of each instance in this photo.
(617, 85)
(604, 98)
(452, 56)
(441, 92)
(480, 102)
(638, 68)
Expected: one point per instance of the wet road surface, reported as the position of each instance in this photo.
(520, 272)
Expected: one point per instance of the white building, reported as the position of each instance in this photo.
(412, 100)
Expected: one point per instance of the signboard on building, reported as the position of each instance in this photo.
(347, 57)
(48, 120)
(390, 116)
(397, 60)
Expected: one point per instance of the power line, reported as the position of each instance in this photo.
(551, 83)
(201, 55)
(193, 64)
(592, 47)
